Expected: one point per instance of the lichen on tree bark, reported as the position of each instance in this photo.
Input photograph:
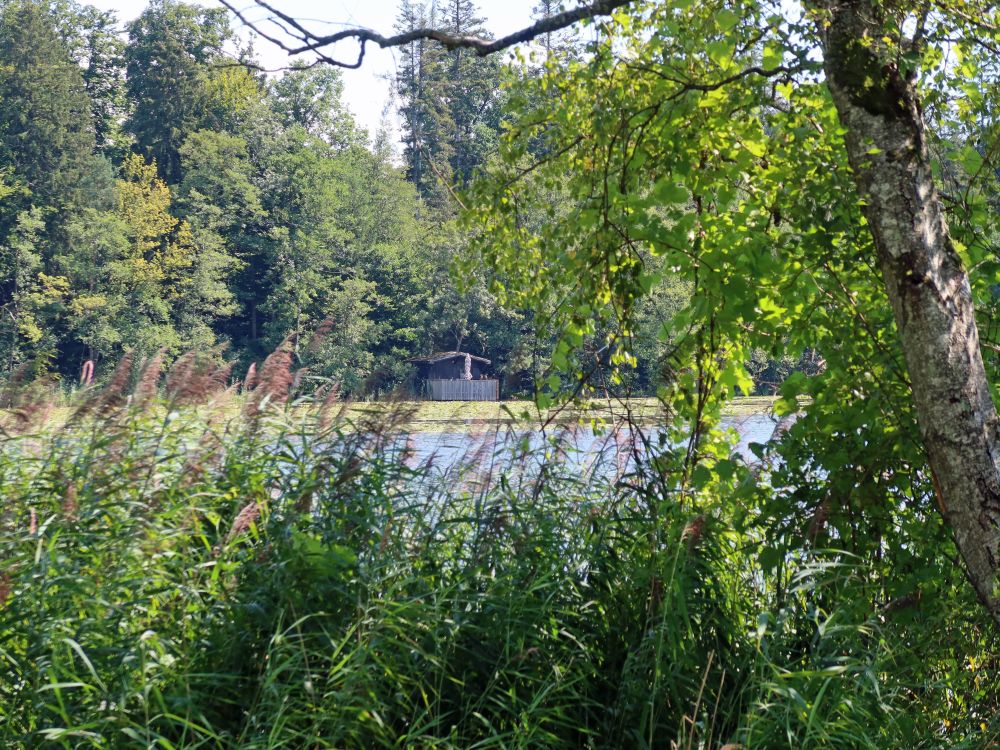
(924, 277)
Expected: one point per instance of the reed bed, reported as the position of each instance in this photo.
(293, 576)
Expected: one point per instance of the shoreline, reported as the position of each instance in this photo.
(466, 416)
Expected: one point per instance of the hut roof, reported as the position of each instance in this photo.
(442, 356)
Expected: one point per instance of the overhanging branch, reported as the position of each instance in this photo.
(308, 41)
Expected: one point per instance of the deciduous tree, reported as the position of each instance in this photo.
(693, 129)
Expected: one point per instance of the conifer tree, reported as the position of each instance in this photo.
(559, 43)
(92, 37)
(169, 46)
(427, 120)
(46, 131)
(449, 102)
(471, 90)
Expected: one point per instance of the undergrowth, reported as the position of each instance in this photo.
(181, 578)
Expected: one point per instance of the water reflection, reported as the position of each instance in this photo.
(576, 448)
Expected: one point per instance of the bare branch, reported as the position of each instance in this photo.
(688, 85)
(307, 41)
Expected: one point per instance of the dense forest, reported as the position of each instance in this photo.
(161, 192)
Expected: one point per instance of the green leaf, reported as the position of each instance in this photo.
(720, 52)
(757, 148)
(970, 159)
(668, 191)
(701, 476)
(773, 56)
(726, 19)
(769, 558)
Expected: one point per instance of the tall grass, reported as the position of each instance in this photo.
(179, 577)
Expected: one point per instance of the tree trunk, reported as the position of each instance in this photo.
(924, 277)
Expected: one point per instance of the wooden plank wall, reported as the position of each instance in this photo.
(464, 390)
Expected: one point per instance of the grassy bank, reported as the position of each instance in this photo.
(431, 416)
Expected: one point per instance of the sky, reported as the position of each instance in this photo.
(368, 90)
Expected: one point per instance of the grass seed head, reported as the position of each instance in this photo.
(87, 373)
(149, 380)
(247, 516)
(275, 380)
(197, 377)
(250, 381)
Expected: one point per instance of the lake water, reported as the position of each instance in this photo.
(577, 448)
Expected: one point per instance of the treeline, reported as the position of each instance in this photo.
(160, 192)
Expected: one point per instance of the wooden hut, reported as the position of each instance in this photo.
(457, 376)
